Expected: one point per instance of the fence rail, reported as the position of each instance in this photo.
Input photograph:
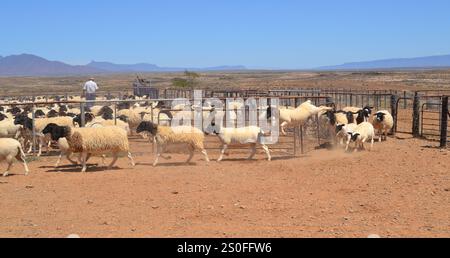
(396, 101)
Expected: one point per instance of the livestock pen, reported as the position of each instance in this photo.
(425, 119)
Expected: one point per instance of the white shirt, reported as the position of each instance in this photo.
(90, 87)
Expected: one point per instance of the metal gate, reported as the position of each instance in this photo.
(404, 115)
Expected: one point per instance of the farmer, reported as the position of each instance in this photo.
(89, 89)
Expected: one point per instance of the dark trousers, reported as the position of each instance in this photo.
(90, 97)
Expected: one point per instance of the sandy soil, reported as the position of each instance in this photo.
(401, 189)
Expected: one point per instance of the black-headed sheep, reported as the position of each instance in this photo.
(93, 141)
(364, 132)
(383, 122)
(164, 136)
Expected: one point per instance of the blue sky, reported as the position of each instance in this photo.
(199, 33)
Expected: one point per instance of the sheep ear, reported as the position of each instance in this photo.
(350, 133)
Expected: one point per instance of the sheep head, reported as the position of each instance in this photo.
(380, 116)
(2, 117)
(24, 121)
(147, 127)
(339, 128)
(56, 132)
(355, 136)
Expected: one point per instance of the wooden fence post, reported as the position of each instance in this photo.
(444, 122)
(416, 116)
(83, 117)
(394, 111)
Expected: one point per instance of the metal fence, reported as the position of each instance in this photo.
(298, 141)
(417, 113)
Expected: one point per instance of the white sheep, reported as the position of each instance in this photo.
(93, 141)
(11, 149)
(343, 132)
(251, 135)
(9, 129)
(164, 136)
(300, 115)
(363, 132)
(383, 122)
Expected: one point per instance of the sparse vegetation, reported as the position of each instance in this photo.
(189, 82)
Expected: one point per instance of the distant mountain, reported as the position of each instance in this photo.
(143, 67)
(31, 65)
(400, 63)
(123, 67)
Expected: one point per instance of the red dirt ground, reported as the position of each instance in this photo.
(401, 189)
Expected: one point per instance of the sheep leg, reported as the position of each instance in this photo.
(10, 164)
(206, 155)
(191, 155)
(7, 170)
(59, 160)
(49, 144)
(266, 149)
(372, 143)
(158, 155)
(30, 149)
(21, 156)
(362, 144)
(357, 146)
(40, 147)
(283, 128)
(115, 158)
(224, 149)
(84, 157)
(253, 153)
(68, 156)
(130, 157)
(349, 139)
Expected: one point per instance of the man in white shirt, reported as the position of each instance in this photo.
(89, 89)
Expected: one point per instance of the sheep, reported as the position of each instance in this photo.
(246, 135)
(40, 124)
(93, 141)
(342, 132)
(52, 113)
(134, 117)
(343, 117)
(64, 148)
(9, 129)
(363, 132)
(88, 117)
(106, 113)
(383, 123)
(165, 136)
(11, 149)
(14, 111)
(360, 114)
(97, 109)
(300, 115)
